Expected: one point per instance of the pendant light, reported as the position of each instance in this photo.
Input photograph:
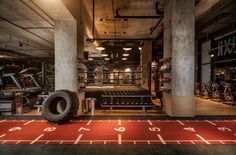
(127, 48)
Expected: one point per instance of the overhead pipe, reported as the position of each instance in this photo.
(136, 17)
(93, 31)
(153, 28)
(118, 39)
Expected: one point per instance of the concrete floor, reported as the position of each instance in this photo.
(203, 107)
(118, 149)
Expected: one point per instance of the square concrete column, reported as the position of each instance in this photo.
(179, 44)
(66, 55)
(146, 60)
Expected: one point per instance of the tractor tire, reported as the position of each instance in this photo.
(60, 107)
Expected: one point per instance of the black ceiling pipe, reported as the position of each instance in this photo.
(119, 39)
(153, 28)
(136, 17)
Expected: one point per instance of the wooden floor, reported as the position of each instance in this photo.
(203, 107)
(208, 107)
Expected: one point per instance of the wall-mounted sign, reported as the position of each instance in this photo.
(224, 48)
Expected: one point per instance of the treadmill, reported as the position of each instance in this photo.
(9, 85)
(33, 88)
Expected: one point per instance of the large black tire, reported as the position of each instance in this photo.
(60, 107)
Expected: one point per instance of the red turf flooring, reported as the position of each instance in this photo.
(119, 132)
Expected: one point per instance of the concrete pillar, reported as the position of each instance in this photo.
(179, 41)
(66, 55)
(146, 60)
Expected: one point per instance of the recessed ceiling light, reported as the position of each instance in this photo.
(107, 59)
(127, 48)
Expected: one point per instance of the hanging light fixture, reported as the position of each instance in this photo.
(100, 48)
(124, 59)
(125, 54)
(127, 48)
(90, 59)
(140, 48)
(107, 59)
(104, 54)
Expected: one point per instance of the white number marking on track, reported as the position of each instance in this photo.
(190, 129)
(50, 129)
(120, 129)
(82, 128)
(153, 129)
(224, 129)
(15, 129)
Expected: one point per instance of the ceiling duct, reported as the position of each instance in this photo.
(136, 17)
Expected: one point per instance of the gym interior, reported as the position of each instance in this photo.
(118, 72)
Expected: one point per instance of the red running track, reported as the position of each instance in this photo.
(119, 132)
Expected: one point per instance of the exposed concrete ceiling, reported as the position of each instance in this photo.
(109, 27)
(218, 17)
(25, 29)
(27, 26)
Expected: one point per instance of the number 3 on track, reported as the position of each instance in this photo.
(153, 129)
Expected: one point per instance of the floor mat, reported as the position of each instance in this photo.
(119, 132)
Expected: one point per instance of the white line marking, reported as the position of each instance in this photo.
(2, 120)
(28, 122)
(129, 120)
(234, 141)
(202, 139)
(37, 139)
(178, 142)
(150, 122)
(78, 139)
(119, 139)
(192, 142)
(161, 139)
(91, 142)
(180, 122)
(105, 142)
(18, 142)
(210, 122)
(89, 122)
(61, 142)
(2, 135)
(47, 142)
(100, 120)
(148, 142)
(138, 120)
(4, 142)
(119, 122)
(222, 142)
(134, 142)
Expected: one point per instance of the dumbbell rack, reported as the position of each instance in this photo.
(81, 75)
(116, 100)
